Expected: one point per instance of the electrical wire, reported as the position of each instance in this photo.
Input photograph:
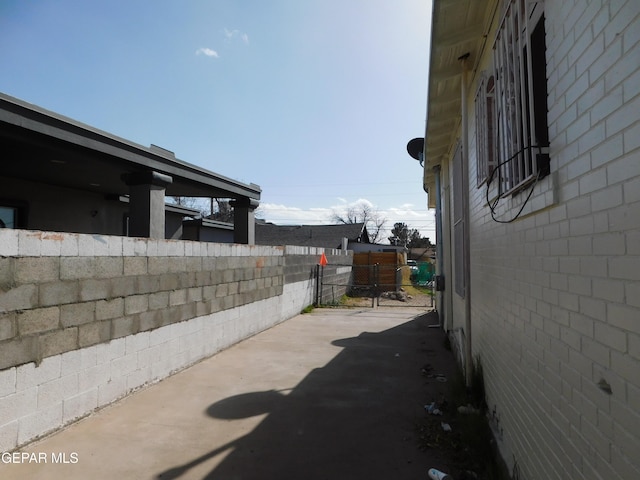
(493, 204)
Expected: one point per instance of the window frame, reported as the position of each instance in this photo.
(521, 125)
(20, 212)
(486, 153)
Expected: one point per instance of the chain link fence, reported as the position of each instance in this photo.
(377, 285)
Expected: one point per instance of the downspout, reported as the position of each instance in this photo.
(439, 240)
(468, 356)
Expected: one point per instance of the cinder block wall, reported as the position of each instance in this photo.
(555, 297)
(86, 319)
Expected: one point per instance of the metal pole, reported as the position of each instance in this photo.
(321, 282)
(317, 275)
(376, 269)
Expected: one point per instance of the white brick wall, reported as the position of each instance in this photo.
(555, 294)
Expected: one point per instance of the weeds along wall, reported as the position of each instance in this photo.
(87, 319)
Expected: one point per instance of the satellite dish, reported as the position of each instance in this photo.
(415, 148)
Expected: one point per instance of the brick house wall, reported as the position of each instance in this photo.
(555, 294)
(87, 319)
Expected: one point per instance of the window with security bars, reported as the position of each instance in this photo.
(521, 131)
(485, 139)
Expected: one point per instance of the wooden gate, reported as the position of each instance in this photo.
(385, 277)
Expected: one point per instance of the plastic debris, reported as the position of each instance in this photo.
(435, 474)
(426, 370)
(446, 427)
(441, 378)
(432, 409)
(468, 410)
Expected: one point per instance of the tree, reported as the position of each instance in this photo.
(402, 235)
(417, 241)
(218, 209)
(190, 202)
(222, 211)
(362, 212)
(399, 234)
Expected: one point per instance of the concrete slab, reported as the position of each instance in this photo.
(334, 394)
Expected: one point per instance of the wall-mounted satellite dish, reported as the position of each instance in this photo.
(415, 148)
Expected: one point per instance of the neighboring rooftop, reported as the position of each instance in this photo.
(327, 236)
(48, 147)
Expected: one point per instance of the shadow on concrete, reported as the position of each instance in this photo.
(354, 418)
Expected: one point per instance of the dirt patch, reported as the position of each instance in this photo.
(407, 297)
(456, 427)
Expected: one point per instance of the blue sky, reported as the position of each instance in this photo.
(313, 100)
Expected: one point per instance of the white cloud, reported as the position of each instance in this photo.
(231, 35)
(284, 215)
(207, 51)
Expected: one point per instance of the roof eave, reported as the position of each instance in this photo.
(37, 119)
(459, 27)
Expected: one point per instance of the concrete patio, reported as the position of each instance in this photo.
(334, 394)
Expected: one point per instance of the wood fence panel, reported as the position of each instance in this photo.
(388, 263)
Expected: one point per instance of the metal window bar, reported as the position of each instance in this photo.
(490, 126)
(514, 112)
(482, 150)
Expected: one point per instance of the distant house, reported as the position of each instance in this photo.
(61, 175)
(532, 161)
(327, 236)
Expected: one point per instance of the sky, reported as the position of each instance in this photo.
(312, 100)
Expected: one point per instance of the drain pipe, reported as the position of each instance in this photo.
(439, 254)
(467, 227)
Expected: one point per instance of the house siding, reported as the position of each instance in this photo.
(555, 307)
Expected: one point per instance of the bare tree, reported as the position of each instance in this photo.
(362, 212)
(222, 211)
(195, 203)
(219, 209)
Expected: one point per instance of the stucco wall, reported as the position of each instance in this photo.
(86, 319)
(56, 208)
(555, 309)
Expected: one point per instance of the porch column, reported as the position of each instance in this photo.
(244, 223)
(146, 203)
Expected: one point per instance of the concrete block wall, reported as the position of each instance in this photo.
(555, 309)
(336, 281)
(336, 275)
(300, 272)
(87, 319)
